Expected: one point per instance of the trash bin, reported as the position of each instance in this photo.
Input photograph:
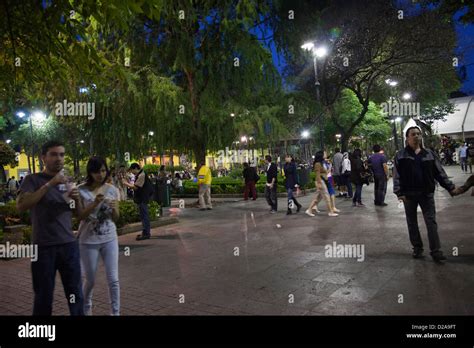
(303, 175)
(163, 194)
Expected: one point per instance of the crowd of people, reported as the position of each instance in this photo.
(53, 199)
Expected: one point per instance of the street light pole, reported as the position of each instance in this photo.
(32, 145)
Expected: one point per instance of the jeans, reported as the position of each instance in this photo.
(90, 254)
(380, 189)
(427, 204)
(205, 196)
(143, 210)
(250, 187)
(271, 196)
(464, 164)
(358, 194)
(65, 259)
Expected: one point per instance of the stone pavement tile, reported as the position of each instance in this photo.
(386, 302)
(317, 288)
(307, 301)
(337, 306)
(351, 267)
(307, 272)
(334, 277)
(354, 293)
(374, 277)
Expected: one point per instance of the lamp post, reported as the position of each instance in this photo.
(317, 52)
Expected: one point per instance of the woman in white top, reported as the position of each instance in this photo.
(98, 233)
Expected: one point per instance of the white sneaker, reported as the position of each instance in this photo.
(333, 214)
(308, 212)
(336, 210)
(316, 210)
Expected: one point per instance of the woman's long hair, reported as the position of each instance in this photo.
(357, 154)
(318, 157)
(94, 165)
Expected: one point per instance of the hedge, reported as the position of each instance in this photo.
(228, 185)
(128, 214)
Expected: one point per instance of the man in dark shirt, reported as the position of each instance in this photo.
(45, 195)
(378, 163)
(271, 185)
(415, 172)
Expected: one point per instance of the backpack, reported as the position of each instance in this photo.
(471, 151)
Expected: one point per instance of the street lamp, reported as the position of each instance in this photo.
(243, 139)
(317, 52)
(38, 116)
(8, 141)
(305, 134)
(406, 96)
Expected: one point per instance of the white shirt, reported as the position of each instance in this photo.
(346, 165)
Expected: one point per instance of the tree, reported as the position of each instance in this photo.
(7, 157)
(370, 42)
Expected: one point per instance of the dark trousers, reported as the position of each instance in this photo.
(143, 209)
(250, 187)
(271, 196)
(427, 204)
(358, 194)
(346, 179)
(380, 189)
(65, 259)
(464, 164)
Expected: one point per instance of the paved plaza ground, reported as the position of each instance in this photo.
(196, 258)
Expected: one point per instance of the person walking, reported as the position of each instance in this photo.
(463, 157)
(337, 170)
(204, 182)
(346, 174)
(357, 172)
(415, 172)
(13, 186)
(98, 233)
(250, 176)
(470, 156)
(271, 172)
(291, 183)
(331, 185)
(143, 191)
(321, 186)
(51, 216)
(378, 164)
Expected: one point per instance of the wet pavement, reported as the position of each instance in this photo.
(239, 259)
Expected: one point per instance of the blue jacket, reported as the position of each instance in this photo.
(291, 175)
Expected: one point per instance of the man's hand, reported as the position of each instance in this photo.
(402, 199)
(58, 179)
(457, 191)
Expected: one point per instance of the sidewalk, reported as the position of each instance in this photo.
(198, 258)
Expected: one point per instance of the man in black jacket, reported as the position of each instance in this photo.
(415, 172)
(271, 185)
(143, 190)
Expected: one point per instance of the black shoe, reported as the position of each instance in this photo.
(438, 256)
(417, 253)
(383, 204)
(142, 237)
(289, 212)
(298, 208)
(209, 208)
